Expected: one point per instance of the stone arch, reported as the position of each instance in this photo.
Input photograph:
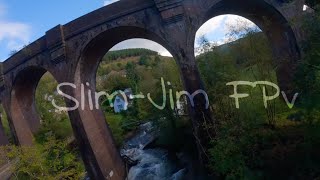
(97, 48)
(25, 119)
(94, 125)
(104, 41)
(280, 35)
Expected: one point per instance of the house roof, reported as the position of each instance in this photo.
(127, 92)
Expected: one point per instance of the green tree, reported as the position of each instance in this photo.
(157, 60)
(308, 71)
(52, 160)
(132, 75)
(143, 60)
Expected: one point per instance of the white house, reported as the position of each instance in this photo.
(122, 103)
(181, 108)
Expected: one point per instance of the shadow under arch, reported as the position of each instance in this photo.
(98, 146)
(24, 116)
(279, 33)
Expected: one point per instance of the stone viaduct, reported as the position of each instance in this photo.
(72, 52)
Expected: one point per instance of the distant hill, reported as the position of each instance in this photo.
(125, 53)
(227, 47)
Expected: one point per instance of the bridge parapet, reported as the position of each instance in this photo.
(103, 15)
(170, 10)
(56, 44)
(27, 53)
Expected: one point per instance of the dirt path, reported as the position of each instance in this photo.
(5, 172)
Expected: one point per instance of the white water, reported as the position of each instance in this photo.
(152, 164)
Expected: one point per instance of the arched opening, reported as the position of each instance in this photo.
(231, 48)
(25, 118)
(136, 124)
(43, 132)
(52, 120)
(136, 71)
(277, 29)
(5, 133)
(258, 48)
(136, 67)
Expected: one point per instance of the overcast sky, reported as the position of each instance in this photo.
(22, 22)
